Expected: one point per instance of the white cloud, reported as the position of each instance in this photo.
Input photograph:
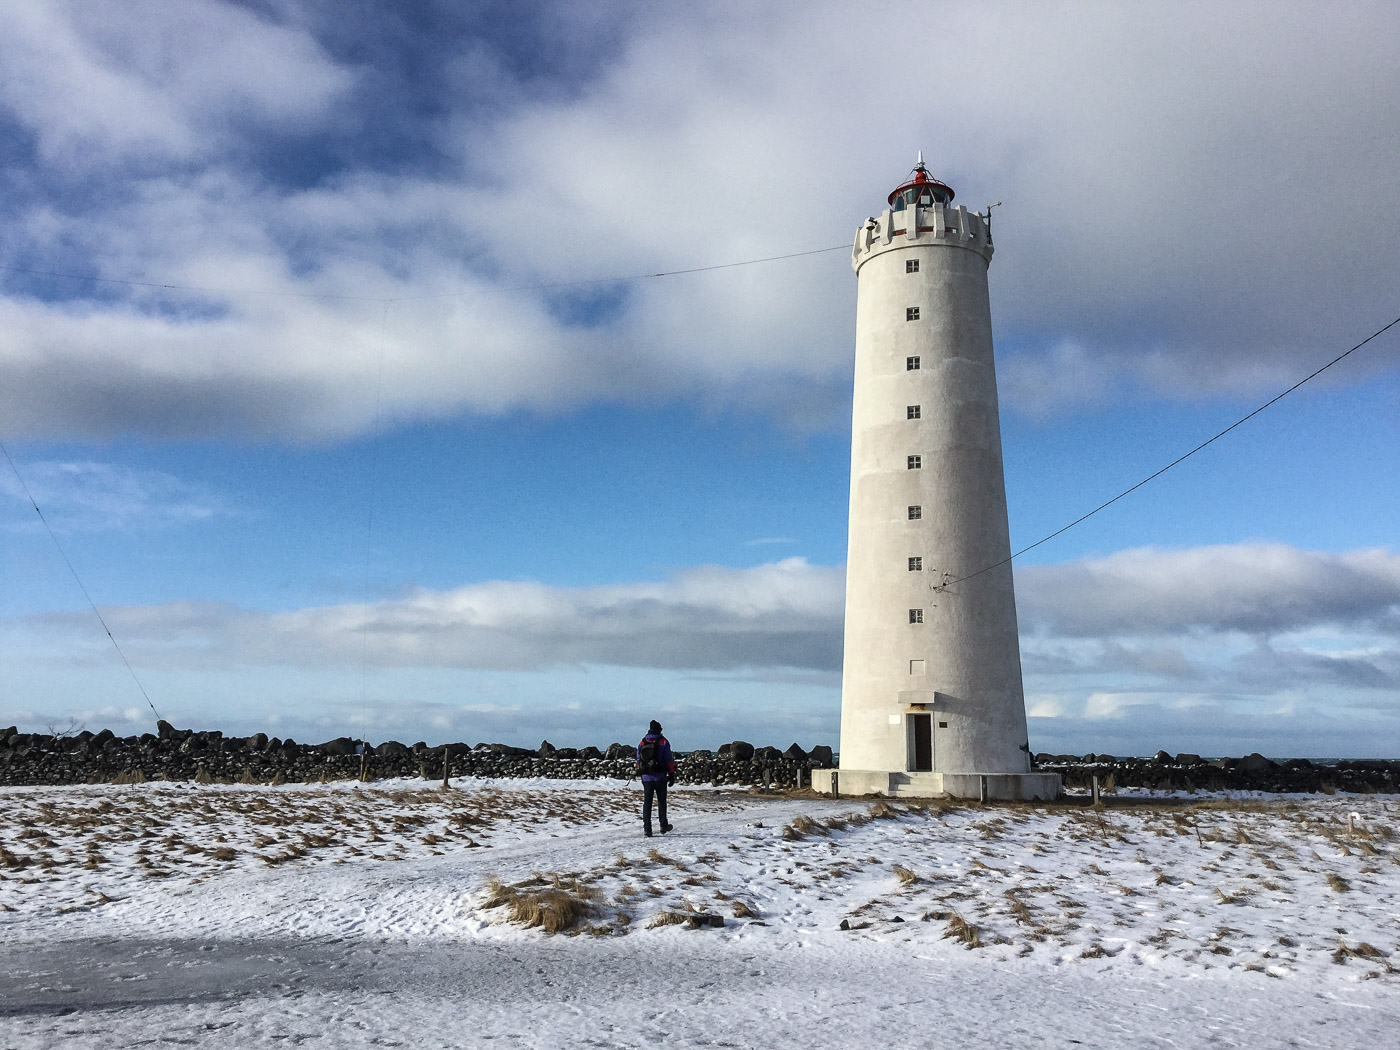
(1172, 178)
(141, 82)
(82, 494)
(784, 614)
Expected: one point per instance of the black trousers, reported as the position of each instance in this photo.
(649, 789)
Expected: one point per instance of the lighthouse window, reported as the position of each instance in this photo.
(915, 462)
(916, 564)
(915, 513)
(911, 265)
(916, 616)
(911, 364)
(911, 313)
(912, 412)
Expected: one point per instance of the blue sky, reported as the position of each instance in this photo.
(406, 454)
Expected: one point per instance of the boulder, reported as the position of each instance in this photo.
(617, 751)
(341, 745)
(258, 741)
(1188, 759)
(821, 757)
(795, 753)
(739, 751)
(390, 748)
(1162, 758)
(514, 752)
(546, 749)
(1255, 763)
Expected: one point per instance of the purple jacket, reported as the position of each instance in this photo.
(663, 755)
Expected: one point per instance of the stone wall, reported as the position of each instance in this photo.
(185, 755)
(206, 757)
(1184, 772)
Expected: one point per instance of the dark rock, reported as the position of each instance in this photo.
(390, 749)
(258, 742)
(821, 757)
(589, 753)
(1162, 758)
(1255, 763)
(165, 729)
(739, 751)
(795, 753)
(341, 745)
(1188, 759)
(619, 751)
(546, 749)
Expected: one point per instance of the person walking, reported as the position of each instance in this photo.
(658, 769)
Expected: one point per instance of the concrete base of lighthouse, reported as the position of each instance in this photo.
(999, 787)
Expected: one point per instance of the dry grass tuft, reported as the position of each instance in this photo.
(1338, 883)
(1020, 911)
(905, 875)
(741, 910)
(961, 930)
(553, 908)
(666, 917)
(1361, 951)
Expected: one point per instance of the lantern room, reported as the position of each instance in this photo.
(923, 189)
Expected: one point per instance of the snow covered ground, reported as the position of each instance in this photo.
(381, 915)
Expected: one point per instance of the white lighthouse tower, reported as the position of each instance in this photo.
(931, 696)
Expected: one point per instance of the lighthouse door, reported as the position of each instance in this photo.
(920, 743)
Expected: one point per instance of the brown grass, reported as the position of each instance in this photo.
(906, 876)
(1361, 951)
(1338, 883)
(554, 908)
(960, 929)
(666, 917)
(741, 910)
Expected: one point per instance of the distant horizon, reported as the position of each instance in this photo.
(683, 750)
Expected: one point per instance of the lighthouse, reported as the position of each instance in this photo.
(931, 693)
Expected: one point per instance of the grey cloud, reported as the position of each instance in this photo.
(785, 614)
(1254, 588)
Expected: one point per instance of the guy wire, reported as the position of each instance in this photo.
(66, 561)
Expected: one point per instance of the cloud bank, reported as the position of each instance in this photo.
(1146, 637)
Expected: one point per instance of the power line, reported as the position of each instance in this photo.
(1184, 456)
(64, 555)
(464, 293)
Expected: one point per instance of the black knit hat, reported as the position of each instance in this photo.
(655, 727)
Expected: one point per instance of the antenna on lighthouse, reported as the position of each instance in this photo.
(920, 165)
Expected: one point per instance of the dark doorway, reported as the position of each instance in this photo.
(920, 743)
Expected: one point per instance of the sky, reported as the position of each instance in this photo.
(332, 351)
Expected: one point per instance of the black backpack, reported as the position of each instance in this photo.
(649, 757)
